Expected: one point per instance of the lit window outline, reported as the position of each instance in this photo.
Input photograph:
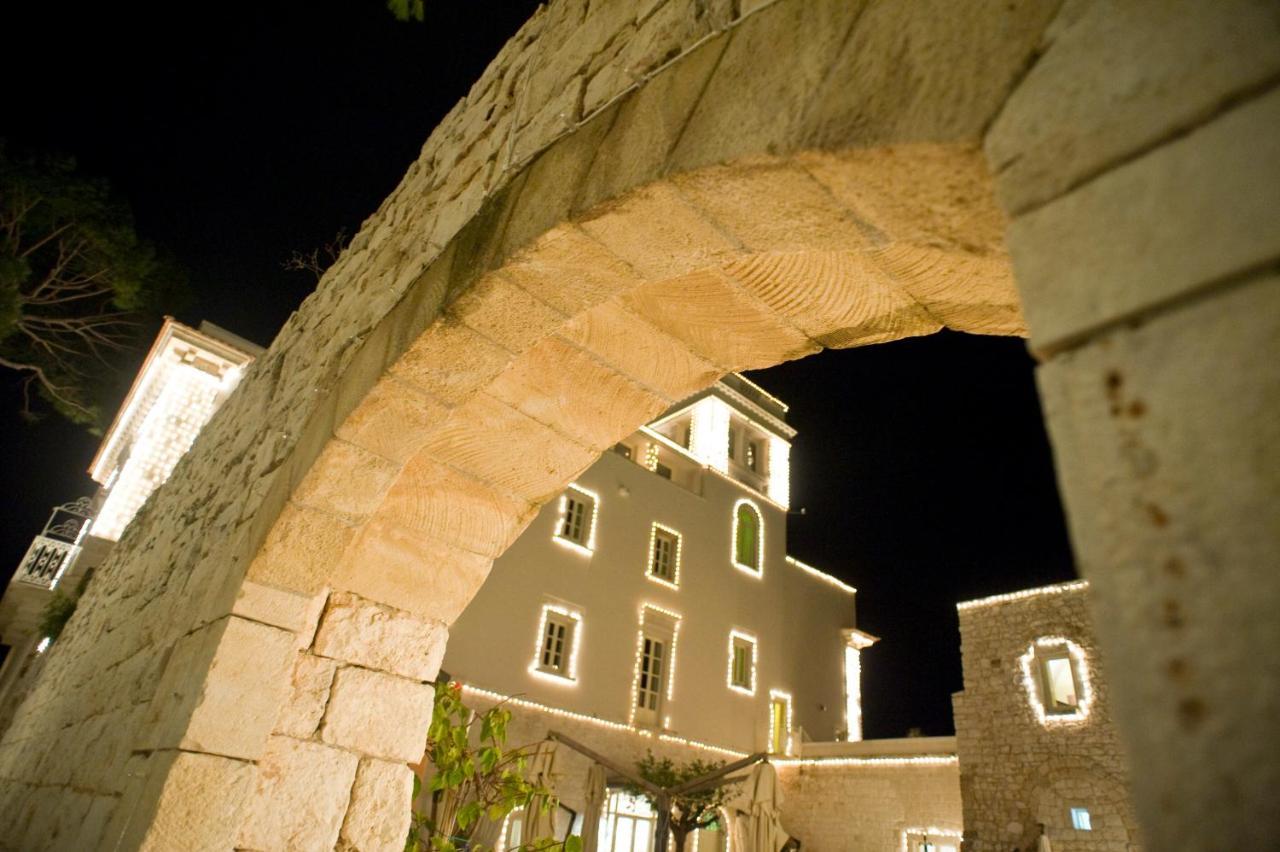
(736, 636)
(776, 695)
(756, 570)
(590, 547)
(928, 832)
(654, 529)
(1081, 819)
(1031, 681)
(676, 618)
(570, 675)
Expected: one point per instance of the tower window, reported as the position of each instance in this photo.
(747, 535)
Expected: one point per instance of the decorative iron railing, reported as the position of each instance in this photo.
(52, 552)
(46, 561)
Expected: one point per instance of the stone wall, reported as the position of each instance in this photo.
(1017, 771)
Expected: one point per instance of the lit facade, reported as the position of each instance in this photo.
(187, 375)
(656, 593)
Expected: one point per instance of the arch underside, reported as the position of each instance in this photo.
(603, 322)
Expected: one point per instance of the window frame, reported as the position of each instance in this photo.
(744, 505)
(660, 532)
(584, 539)
(1036, 680)
(775, 745)
(571, 619)
(656, 625)
(740, 639)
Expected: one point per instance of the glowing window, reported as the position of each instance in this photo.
(746, 537)
(556, 641)
(779, 722)
(753, 455)
(1080, 819)
(576, 528)
(664, 555)
(1060, 690)
(652, 674)
(742, 663)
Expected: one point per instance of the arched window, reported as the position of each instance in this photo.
(747, 537)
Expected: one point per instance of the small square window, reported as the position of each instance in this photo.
(1080, 819)
(577, 519)
(664, 555)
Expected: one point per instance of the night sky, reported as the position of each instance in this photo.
(241, 133)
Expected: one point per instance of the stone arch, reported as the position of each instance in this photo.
(804, 171)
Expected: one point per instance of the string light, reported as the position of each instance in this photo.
(885, 762)
(709, 432)
(785, 697)
(756, 570)
(735, 636)
(43, 645)
(535, 667)
(1057, 589)
(852, 693)
(651, 457)
(677, 547)
(821, 575)
(779, 471)
(676, 618)
(557, 536)
(926, 833)
(1080, 671)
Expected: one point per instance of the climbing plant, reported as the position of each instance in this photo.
(476, 779)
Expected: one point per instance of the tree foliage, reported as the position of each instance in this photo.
(75, 283)
(476, 778)
(690, 812)
(407, 10)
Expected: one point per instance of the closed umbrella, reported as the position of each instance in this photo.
(757, 824)
(596, 794)
(540, 823)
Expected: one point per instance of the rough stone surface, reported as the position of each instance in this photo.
(354, 630)
(1015, 771)
(1099, 95)
(299, 797)
(378, 817)
(200, 799)
(378, 714)
(1133, 239)
(309, 692)
(1169, 453)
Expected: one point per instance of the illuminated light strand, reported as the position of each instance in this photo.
(852, 693)
(757, 570)
(673, 583)
(590, 547)
(43, 645)
(742, 635)
(774, 423)
(651, 457)
(1056, 589)
(763, 392)
(821, 575)
(706, 468)
(709, 432)
(1079, 667)
(535, 667)
(608, 724)
(927, 833)
(671, 660)
(836, 762)
(779, 695)
(779, 486)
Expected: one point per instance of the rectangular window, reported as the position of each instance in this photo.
(622, 450)
(742, 662)
(779, 722)
(664, 555)
(1080, 819)
(1060, 693)
(577, 523)
(652, 675)
(557, 647)
(753, 455)
(662, 470)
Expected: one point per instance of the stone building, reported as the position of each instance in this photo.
(632, 201)
(187, 374)
(1034, 727)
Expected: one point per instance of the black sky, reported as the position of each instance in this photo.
(240, 132)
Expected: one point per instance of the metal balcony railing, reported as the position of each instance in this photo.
(57, 546)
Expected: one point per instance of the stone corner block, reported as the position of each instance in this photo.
(189, 801)
(378, 714)
(378, 817)
(375, 636)
(299, 797)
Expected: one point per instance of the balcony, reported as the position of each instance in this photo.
(46, 561)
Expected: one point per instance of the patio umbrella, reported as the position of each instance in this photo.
(757, 823)
(540, 823)
(596, 794)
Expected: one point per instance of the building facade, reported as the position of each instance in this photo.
(186, 376)
(1037, 746)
